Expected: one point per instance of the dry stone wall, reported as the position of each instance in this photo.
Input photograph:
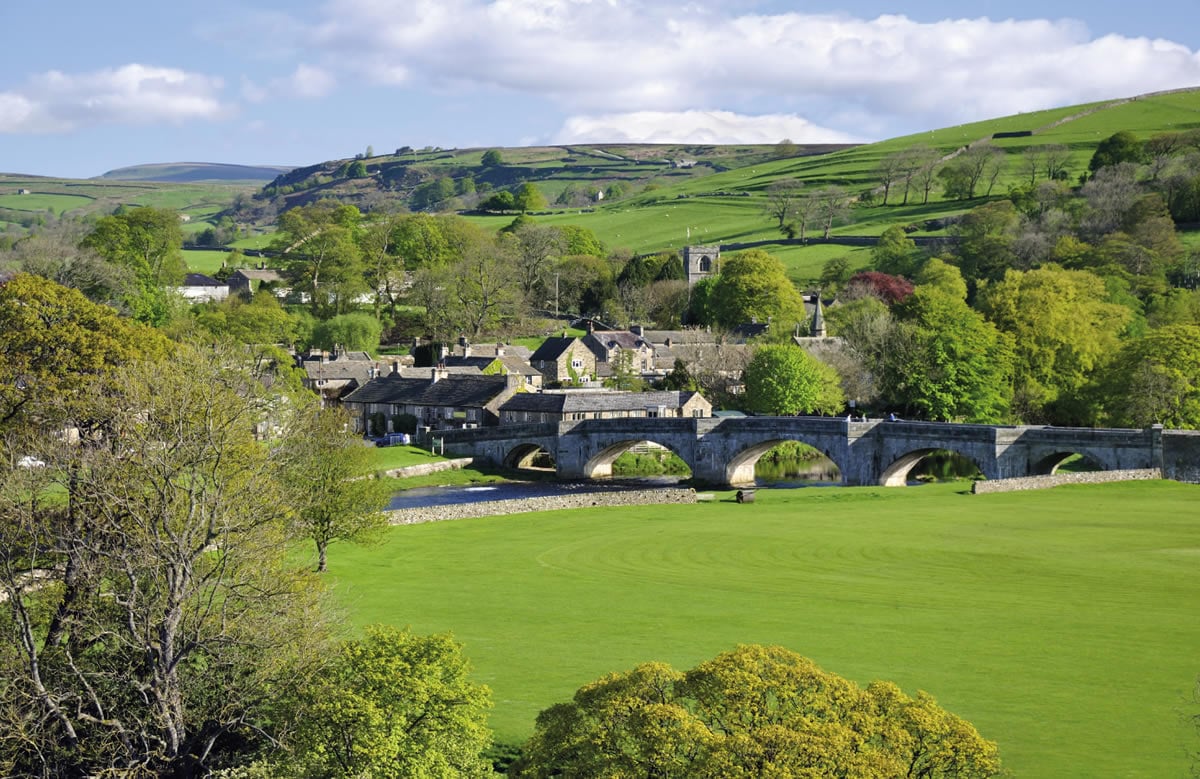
(1058, 479)
(671, 495)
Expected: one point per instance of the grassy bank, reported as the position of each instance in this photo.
(1062, 623)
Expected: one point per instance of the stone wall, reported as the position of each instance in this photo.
(1181, 455)
(1042, 482)
(424, 469)
(675, 495)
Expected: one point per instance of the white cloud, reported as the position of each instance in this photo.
(131, 94)
(718, 127)
(625, 56)
(309, 82)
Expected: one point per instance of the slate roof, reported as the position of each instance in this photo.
(201, 280)
(456, 390)
(593, 400)
(552, 348)
(622, 338)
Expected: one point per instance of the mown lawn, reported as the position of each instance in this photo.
(1062, 622)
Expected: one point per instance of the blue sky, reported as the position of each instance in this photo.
(87, 87)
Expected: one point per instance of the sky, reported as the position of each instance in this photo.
(89, 87)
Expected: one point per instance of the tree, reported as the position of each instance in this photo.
(56, 347)
(962, 175)
(888, 171)
(1155, 380)
(357, 170)
(754, 711)
(754, 287)
(329, 482)
(895, 253)
(784, 380)
(1063, 330)
(529, 198)
(485, 287)
(147, 241)
(1122, 146)
(537, 247)
(884, 286)
(832, 204)
(785, 148)
(782, 197)
(357, 330)
(395, 704)
(918, 168)
(986, 236)
(323, 258)
(491, 158)
(946, 362)
(168, 619)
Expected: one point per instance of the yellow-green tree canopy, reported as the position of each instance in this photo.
(1155, 380)
(52, 338)
(1063, 328)
(754, 287)
(755, 711)
(787, 380)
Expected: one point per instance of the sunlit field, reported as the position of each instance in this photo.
(1061, 622)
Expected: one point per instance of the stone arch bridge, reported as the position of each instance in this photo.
(722, 451)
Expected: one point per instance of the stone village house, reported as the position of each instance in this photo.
(565, 360)
(571, 405)
(444, 401)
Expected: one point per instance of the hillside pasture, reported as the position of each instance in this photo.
(45, 201)
(1061, 623)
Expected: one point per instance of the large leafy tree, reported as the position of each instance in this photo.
(786, 380)
(148, 242)
(395, 704)
(944, 361)
(166, 618)
(754, 711)
(1063, 329)
(1155, 380)
(753, 286)
(53, 342)
(318, 242)
(329, 481)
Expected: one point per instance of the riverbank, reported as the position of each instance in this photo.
(492, 508)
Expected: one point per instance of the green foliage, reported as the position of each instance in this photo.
(786, 380)
(395, 704)
(147, 241)
(1119, 147)
(754, 711)
(491, 158)
(327, 484)
(895, 253)
(357, 331)
(57, 348)
(1063, 329)
(752, 286)
(1155, 380)
(650, 464)
(947, 363)
(357, 170)
(528, 198)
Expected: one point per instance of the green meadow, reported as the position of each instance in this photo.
(1062, 623)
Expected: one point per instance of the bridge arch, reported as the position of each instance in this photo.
(896, 474)
(1050, 463)
(600, 464)
(527, 456)
(740, 469)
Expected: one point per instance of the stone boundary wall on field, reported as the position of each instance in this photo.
(1043, 482)
(424, 469)
(492, 508)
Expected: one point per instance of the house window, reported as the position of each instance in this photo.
(652, 412)
(576, 363)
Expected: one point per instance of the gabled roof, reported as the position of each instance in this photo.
(552, 348)
(260, 275)
(576, 401)
(200, 280)
(623, 339)
(458, 391)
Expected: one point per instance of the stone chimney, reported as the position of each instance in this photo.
(499, 350)
(395, 367)
(438, 372)
(445, 352)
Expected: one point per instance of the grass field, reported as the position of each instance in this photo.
(1062, 623)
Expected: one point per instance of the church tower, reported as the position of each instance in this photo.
(701, 262)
